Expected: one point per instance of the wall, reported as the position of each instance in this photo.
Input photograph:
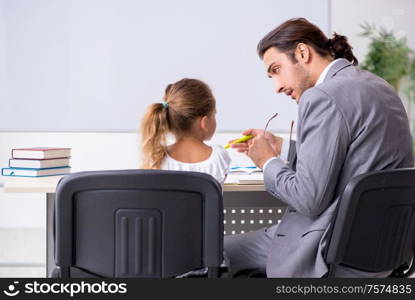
(95, 65)
(3, 60)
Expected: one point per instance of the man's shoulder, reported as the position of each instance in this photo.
(315, 96)
(351, 80)
(350, 86)
(316, 100)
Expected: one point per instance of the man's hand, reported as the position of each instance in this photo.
(260, 150)
(262, 147)
(275, 141)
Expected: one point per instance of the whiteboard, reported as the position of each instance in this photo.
(95, 65)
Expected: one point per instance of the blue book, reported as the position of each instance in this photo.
(25, 172)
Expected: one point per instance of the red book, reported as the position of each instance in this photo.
(41, 153)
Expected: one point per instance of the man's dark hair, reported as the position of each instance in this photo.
(289, 34)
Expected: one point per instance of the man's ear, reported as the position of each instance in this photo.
(303, 53)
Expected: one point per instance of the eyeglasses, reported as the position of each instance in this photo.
(270, 119)
(291, 130)
(273, 117)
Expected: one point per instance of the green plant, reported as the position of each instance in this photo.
(409, 81)
(388, 56)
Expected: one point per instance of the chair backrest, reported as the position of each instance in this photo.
(138, 223)
(374, 229)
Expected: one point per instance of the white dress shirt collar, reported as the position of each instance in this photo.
(324, 73)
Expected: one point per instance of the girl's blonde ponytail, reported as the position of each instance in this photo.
(154, 129)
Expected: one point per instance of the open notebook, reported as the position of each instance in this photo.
(245, 170)
(245, 175)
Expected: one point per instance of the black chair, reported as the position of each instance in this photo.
(137, 223)
(374, 229)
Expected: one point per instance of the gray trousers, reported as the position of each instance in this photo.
(250, 251)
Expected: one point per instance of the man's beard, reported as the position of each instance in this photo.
(304, 80)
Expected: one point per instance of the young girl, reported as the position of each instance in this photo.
(188, 112)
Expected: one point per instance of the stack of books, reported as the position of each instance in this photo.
(38, 162)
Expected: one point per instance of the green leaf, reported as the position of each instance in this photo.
(388, 57)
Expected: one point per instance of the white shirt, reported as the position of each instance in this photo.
(216, 165)
(286, 143)
(325, 71)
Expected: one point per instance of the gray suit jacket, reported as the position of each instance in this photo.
(350, 124)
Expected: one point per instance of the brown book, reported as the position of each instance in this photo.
(41, 153)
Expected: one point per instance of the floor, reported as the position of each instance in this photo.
(22, 252)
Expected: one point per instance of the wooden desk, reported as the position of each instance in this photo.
(241, 202)
(48, 185)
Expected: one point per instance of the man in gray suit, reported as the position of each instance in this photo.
(349, 122)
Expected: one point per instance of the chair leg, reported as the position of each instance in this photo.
(64, 272)
(411, 269)
(213, 272)
(332, 271)
(56, 273)
(406, 270)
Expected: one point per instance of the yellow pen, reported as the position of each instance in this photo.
(242, 139)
